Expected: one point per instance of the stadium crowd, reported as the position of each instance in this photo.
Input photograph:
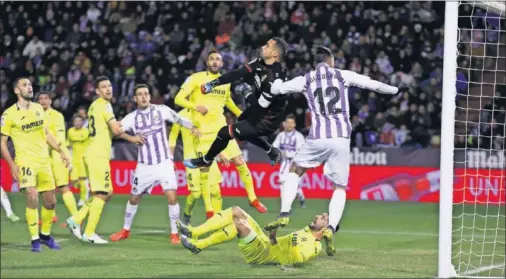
(63, 46)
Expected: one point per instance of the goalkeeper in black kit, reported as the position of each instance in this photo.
(266, 111)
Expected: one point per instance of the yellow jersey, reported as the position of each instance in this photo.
(99, 114)
(55, 124)
(78, 140)
(190, 96)
(189, 140)
(295, 248)
(26, 129)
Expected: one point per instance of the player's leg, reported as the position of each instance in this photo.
(130, 211)
(193, 182)
(167, 178)
(61, 177)
(219, 143)
(6, 204)
(302, 197)
(218, 221)
(215, 179)
(46, 186)
(84, 191)
(203, 146)
(74, 222)
(273, 152)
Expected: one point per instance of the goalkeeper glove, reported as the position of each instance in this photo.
(207, 87)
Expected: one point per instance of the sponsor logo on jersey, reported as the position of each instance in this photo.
(35, 124)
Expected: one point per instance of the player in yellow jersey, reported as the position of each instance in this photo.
(24, 124)
(207, 112)
(102, 126)
(193, 175)
(55, 123)
(257, 248)
(77, 139)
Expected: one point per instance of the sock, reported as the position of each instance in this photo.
(226, 234)
(83, 211)
(87, 187)
(174, 216)
(32, 219)
(82, 189)
(216, 199)
(300, 193)
(46, 216)
(129, 215)
(191, 199)
(247, 180)
(70, 202)
(96, 207)
(219, 144)
(289, 191)
(336, 207)
(206, 193)
(218, 221)
(6, 204)
(260, 142)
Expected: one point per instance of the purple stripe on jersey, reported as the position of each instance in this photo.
(155, 138)
(165, 142)
(311, 103)
(140, 153)
(328, 131)
(330, 83)
(146, 143)
(343, 102)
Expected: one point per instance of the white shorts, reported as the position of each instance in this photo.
(148, 176)
(335, 153)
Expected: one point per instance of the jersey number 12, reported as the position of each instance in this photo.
(330, 108)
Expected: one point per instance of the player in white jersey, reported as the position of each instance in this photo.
(154, 163)
(289, 141)
(326, 91)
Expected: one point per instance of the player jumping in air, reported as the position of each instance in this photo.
(190, 143)
(257, 248)
(6, 204)
(207, 112)
(326, 91)
(77, 139)
(55, 123)
(102, 127)
(24, 124)
(154, 163)
(265, 113)
(289, 141)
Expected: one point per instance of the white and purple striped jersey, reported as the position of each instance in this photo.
(150, 123)
(288, 143)
(326, 91)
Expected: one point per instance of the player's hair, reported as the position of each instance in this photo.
(99, 79)
(16, 81)
(43, 93)
(76, 116)
(291, 116)
(282, 46)
(322, 54)
(139, 86)
(211, 52)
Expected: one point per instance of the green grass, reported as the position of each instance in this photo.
(377, 239)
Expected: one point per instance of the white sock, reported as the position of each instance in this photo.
(87, 185)
(300, 193)
(336, 206)
(289, 191)
(174, 216)
(6, 204)
(130, 212)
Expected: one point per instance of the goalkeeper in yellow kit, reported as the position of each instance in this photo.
(207, 113)
(257, 248)
(190, 143)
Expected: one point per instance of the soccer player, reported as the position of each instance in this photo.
(55, 123)
(77, 139)
(207, 112)
(190, 143)
(257, 248)
(102, 126)
(23, 122)
(265, 113)
(326, 91)
(154, 163)
(289, 141)
(6, 204)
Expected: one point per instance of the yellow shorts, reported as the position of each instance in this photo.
(98, 170)
(193, 177)
(204, 143)
(78, 170)
(39, 175)
(60, 172)
(255, 247)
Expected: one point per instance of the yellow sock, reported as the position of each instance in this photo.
(216, 199)
(46, 216)
(70, 202)
(226, 234)
(83, 211)
(32, 219)
(96, 207)
(247, 180)
(218, 221)
(190, 202)
(82, 189)
(206, 193)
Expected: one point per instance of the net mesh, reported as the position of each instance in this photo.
(480, 171)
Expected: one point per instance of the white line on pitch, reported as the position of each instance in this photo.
(482, 269)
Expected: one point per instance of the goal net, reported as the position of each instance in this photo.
(473, 178)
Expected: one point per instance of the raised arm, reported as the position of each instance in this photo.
(365, 82)
(172, 116)
(185, 91)
(295, 85)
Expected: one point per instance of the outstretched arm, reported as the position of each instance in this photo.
(365, 82)
(295, 85)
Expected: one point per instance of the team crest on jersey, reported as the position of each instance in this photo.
(303, 239)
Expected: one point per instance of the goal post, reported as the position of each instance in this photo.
(472, 215)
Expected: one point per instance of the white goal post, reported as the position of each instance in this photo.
(472, 227)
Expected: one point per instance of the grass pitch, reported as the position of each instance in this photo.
(376, 239)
